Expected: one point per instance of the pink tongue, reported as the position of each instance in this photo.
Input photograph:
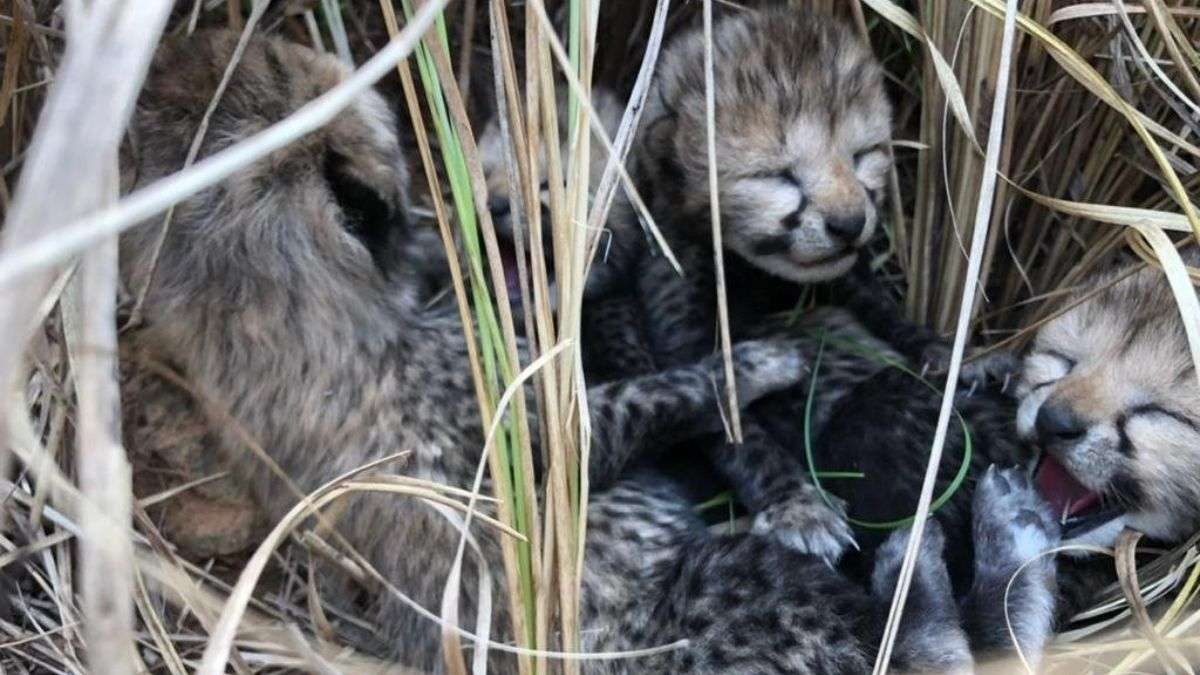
(1066, 495)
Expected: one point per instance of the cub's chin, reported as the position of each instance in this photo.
(790, 268)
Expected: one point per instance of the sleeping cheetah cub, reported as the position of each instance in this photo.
(278, 295)
(800, 176)
(801, 123)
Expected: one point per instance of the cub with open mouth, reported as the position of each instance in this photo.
(615, 247)
(1109, 390)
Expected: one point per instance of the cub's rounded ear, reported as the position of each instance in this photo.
(656, 140)
(378, 221)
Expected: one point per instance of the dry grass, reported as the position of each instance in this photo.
(1098, 160)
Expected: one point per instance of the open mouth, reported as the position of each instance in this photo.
(512, 275)
(508, 258)
(1080, 510)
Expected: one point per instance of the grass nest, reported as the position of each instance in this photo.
(1101, 112)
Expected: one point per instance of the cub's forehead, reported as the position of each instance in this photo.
(869, 120)
(792, 59)
(798, 126)
(1128, 323)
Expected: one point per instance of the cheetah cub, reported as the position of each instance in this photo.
(615, 247)
(802, 125)
(280, 294)
(1108, 391)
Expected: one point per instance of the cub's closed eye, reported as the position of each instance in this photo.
(1059, 356)
(1153, 409)
(861, 154)
(781, 175)
(1067, 363)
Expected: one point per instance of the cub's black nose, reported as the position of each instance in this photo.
(846, 228)
(1057, 423)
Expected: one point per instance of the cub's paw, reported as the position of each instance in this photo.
(931, 638)
(930, 566)
(933, 543)
(1012, 523)
(978, 369)
(1014, 591)
(806, 523)
(764, 366)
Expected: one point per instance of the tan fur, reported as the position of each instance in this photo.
(171, 442)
